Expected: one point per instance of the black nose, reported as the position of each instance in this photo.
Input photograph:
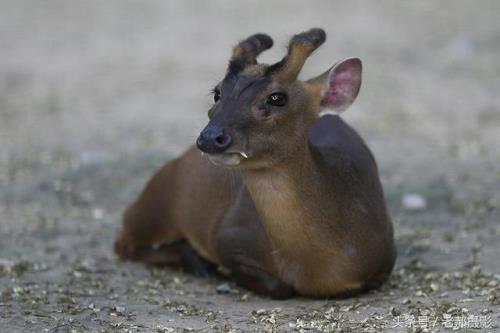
(213, 140)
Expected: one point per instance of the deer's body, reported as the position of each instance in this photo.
(310, 219)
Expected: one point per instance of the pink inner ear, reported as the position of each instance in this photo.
(343, 85)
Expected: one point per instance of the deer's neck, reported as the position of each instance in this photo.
(291, 203)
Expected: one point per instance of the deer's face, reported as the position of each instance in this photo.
(261, 114)
(253, 119)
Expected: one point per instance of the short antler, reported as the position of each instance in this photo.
(301, 46)
(246, 52)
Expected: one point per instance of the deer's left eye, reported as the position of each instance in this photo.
(216, 95)
(277, 99)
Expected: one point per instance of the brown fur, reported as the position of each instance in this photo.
(295, 217)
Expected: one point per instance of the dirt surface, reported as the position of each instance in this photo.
(95, 95)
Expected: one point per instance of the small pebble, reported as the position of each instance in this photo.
(223, 288)
(414, 202)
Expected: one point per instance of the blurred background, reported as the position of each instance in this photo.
(95, 95)
(106, 77)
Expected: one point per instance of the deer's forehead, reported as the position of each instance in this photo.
(247, 86)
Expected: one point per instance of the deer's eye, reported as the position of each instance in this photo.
(216, 95)
(276, 99)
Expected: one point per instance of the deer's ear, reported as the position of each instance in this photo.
(340, 86)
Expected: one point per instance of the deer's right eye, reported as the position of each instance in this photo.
(277, 99)
(216, 95)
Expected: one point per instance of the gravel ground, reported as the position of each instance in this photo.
(94, 96)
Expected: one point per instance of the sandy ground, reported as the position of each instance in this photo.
(95, 95)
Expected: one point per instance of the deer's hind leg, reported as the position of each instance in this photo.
(148, 233)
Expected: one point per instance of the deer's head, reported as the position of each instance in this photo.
(262, 113)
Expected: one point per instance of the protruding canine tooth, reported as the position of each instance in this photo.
(243, 154)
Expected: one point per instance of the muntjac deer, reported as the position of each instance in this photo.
(285, 197)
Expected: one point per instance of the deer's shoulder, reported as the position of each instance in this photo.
(337, 145)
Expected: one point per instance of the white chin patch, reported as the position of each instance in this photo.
(230, 159)
(324, 113)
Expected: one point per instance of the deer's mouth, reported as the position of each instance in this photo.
(227, 158)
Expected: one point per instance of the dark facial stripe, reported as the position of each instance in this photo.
(258, 84)
(237, 96)
(236, 86)
(276, 67)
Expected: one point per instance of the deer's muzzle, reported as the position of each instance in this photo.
(214, 140)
